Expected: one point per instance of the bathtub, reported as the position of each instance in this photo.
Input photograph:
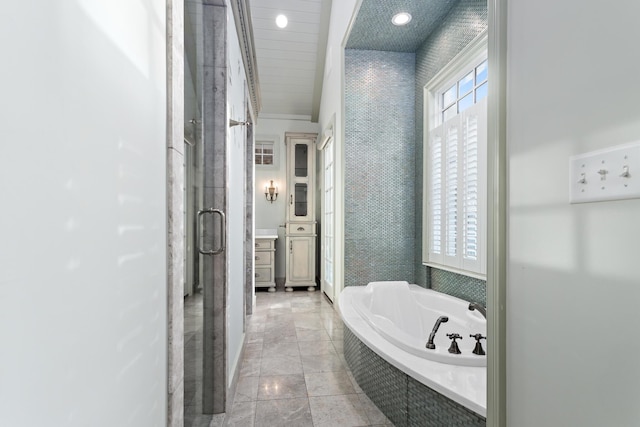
(394, 320)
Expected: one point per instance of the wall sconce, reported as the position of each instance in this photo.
(271, 192)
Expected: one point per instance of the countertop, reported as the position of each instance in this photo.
(266, 233)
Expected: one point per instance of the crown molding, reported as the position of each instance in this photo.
(242, 16)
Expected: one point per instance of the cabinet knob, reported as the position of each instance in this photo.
(257, 257)
(300, 228)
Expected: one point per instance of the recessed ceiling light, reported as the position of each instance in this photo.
(401, 18)
(281, 21)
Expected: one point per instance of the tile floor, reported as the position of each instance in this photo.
(294, 373)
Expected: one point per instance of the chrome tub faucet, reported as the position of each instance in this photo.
(479, 307)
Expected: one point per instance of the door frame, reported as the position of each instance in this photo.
(327, 138)
(497, 227)
(497, 174)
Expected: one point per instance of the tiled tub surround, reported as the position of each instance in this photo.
(410, 390)
(405, 401)
(457, 285)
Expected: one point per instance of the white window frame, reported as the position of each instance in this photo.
(267, 140)
(469, 58)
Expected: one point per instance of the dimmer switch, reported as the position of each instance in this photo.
(609, 174)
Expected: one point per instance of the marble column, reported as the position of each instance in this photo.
(214, 280)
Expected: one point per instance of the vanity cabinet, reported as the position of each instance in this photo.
(264, 263)
(300, 261)
(300, 214)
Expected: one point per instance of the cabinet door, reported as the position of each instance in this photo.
(301, 159)
(300, 205)
(301, 267)
(300, 166)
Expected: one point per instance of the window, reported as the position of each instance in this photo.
(455, 166)
(264, 153)
(467, 91)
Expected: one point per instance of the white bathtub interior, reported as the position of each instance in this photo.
(405, 315)
(394, 319)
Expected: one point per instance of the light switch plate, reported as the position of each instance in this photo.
(609, 174)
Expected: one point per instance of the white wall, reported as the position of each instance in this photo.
(236, 198)
(332, 104)
(267, 214)
(83, 276)
(573, 276)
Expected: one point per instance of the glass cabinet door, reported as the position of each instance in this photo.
(300, 197)
(301, 168)
(300, 178)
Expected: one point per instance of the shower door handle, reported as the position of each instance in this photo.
(222, 231)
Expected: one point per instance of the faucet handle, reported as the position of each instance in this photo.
(454, 349)
(478, 348)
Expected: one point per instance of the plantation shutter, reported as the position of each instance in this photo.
(435, 196)
(474, 178)
(452, 145)
(457, 205)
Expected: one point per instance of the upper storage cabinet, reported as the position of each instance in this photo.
(301, 159)
(300, 175)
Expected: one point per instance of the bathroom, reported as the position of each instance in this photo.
(89, 140)
(385, 73)
(383, 172)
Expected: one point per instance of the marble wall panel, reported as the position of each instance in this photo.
(175, 215)
(215, 122)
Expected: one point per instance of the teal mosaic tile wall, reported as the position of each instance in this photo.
(379, 166)
(466, 20)
(463, 287)
(383, 152)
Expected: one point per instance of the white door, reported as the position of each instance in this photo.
(327, 230)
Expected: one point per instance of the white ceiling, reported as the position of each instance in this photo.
(290, 61)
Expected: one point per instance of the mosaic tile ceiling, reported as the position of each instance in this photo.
(373, 29)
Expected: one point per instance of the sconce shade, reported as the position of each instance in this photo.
(271, 192)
